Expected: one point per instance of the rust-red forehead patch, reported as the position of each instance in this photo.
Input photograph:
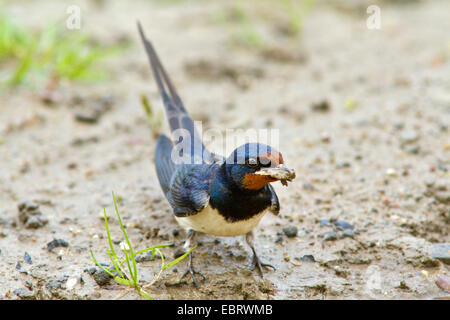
(273, 157)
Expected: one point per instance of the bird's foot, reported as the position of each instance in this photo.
(257, 263)
(191, 270)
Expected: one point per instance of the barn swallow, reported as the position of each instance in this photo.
(210, 193)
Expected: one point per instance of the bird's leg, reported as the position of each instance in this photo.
(249, 237)
(191, 270)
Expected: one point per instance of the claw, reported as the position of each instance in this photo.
(257, 263)
(191, 270)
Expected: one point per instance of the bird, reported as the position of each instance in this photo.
(210, 193)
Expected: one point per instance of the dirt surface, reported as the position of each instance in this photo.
(364, 120)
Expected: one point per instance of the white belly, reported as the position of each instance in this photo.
(211, 222)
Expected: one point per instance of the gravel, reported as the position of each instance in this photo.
(24, 293)
(330, 236)
(409, 136)
(441, 251)
(343, 225)
(57, 243)
(30, 215)
(27, 258)
(100, 276)
(308, 258)
(290, 231)
(443, 197)
(53, 285)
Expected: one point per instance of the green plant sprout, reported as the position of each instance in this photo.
(154, 118)
(242, 20)
(296, 11)
(39, 56)
(240, 24)
(129, 276)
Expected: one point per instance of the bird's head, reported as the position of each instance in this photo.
(254, 165)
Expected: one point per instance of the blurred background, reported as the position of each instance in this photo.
(360, 91)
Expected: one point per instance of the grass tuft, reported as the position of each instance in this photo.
(295, 12)
(247, 20)
(129, 276)
(39, 56)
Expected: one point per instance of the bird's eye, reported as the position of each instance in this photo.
(252, 162)
(264, 162)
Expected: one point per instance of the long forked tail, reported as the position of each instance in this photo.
(177, 115)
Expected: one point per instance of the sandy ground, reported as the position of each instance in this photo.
(364, 120)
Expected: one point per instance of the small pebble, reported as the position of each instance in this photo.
(398, 125)
(330, 236)
(343, 225)
(443, 282)
(27, 258)
(344, 164)
(101, 277)
(279, 239)
(147, 256)
(325, 137)
(308, 230)
(308, 186)
(425, 273)
(53, 285)
(88, 116)
(413, 149)
(348, 234)
(391, 172)
(76, 142)
(57, 243)
(30, 215)
(322, 106)
(91, 270)
(308, 258)
(290, 231)
(24, 293)
(36, 222)
(409, 136)
(443, 197)
(71, 282)
(124, 246)
(429, 183)
(441, 251)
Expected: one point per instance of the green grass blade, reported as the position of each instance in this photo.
(131, 279)
(115, 264)
(22, 70)
(162, 257)
(111, 253)
(123, 281)
(145, 294)
(107, 270)
(133, 272)
(127, 258)
(51, 51)
(174, 262)
(148, 249)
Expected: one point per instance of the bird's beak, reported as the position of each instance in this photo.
(280, 172)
